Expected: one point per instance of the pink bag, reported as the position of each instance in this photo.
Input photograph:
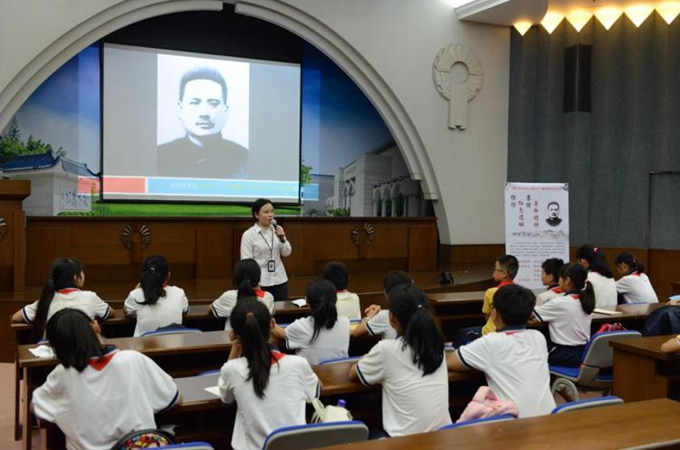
(485, 404)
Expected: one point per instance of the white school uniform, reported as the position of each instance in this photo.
(379, 325)
(515, 362)
(263, 246)
(412, 403)
(96, 407)
(292, 383)
(85, 301)
(166, 311)
(329, 344)
(605, 290)
(636, 287)
(224, 305)
(568, 324)
(348, 305)
(546, 296)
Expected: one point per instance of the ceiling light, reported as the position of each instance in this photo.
(579, 18)
(522, 26)
(551, 21)
(638, 13)
(669, 11)
(607, 16)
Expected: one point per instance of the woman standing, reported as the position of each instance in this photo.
(266, 243)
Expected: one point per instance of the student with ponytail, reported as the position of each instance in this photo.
(322, 336)
(634, 285)
(569, 316)
(269, 387)
(246, 278)
(154, 302)
(63, 290)
(411, 368)
(599, 274)
(97, 393)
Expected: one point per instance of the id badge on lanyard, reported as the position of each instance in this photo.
(271, 264)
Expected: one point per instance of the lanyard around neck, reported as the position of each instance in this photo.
(269, 246)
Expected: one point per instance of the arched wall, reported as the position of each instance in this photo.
(332, 27)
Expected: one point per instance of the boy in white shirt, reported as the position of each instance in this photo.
(377, 320)
(348, 302)
(515, 359)
(550, 276)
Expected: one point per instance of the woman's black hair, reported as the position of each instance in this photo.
(596, 259)
(629, 259)
(257, 206)
(336, 273)
(154, 274)
(250, 321)
(410, 307)
(73, 339)
(321, 297)
(246, 277)
(552, 266)
(579, 278)
(63, 272)
(396, 278)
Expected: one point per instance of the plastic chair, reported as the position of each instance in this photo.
(594, 373)
(471, 423)
(303, 437)
(144, 439)
(339, 360)
(587, 404)
(209, 372)
(198, 445)
(163, 331)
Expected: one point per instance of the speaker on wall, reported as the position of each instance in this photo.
(577, 63)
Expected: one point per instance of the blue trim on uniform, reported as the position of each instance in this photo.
(106, 314)
(361, 377)
(513, 328)
(460, 357)
(368, 328)
(24, 316)
(538, 316)
(172, 403)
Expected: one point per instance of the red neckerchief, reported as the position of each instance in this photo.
(276, 356)
(165, 285)
(635, 274)
(99, 363)
(260, 293)
(505, 283)
(575, 295)
(67, 290)
(556, 290)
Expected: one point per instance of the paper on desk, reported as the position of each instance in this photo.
(299, 302)
(214, 390)
(42, 351)
(608, 312)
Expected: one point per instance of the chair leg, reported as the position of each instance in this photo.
(566, 389)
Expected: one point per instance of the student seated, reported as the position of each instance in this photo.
(377, 320)
(153, 302)
(599, 275)
(348, 303)
(269, 387)
(246, 278)
(98, 394)
(411, 368)
(568, 317)
(504, 272)
(634, 285)
(672, 345)
(322, 336)
(63, 290)
(515, 359)
(550, 270)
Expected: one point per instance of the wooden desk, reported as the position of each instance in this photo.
(651, 422)
(642, 371)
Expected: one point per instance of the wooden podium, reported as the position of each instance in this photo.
(13, 234)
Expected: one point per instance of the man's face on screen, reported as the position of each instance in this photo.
(202, 109)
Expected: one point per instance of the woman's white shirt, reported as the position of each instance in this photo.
(263, 245)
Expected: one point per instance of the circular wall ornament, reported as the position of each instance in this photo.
(367, 231)
(3, 229)
(128, 231)
(458, 76)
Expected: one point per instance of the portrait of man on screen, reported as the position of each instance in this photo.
(203, 152)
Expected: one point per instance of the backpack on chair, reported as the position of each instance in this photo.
(663, 320)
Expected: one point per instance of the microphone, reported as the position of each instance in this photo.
(273, 223)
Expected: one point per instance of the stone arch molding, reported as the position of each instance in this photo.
(275, 11)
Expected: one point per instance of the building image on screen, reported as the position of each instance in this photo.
(202, 122)
(192, 127)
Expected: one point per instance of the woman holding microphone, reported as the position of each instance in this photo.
(266, 243)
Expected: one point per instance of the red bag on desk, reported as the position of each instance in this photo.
(611, 327)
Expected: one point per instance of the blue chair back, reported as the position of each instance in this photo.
(198, 445)
(339, 360)
(308, 436)
(471, 423)
(588, 403)
(164, 331)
